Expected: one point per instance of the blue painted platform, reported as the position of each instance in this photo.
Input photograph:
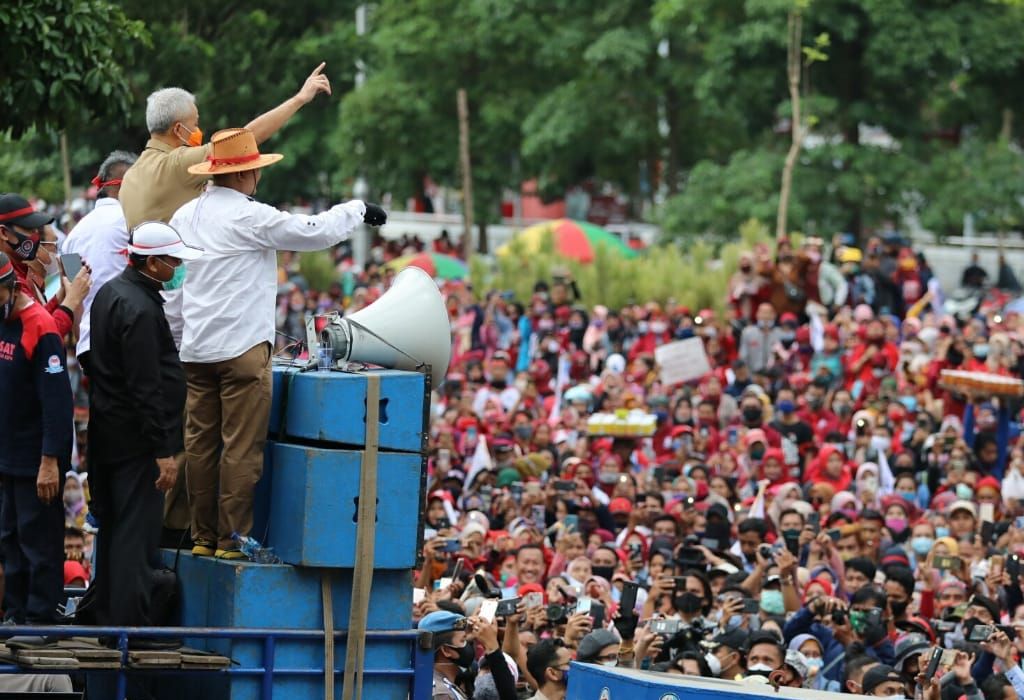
(314, 502)
(218, 593)
(305, 508)
(331, 407)
(590, 682)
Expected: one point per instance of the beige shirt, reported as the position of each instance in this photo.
(159, 183)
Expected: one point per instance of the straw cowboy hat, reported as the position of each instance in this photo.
(232, 151)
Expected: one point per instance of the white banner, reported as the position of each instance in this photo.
(682, 361)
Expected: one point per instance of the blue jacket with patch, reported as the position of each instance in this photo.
(36, 409)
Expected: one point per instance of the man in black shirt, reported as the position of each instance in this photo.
(796, 435)
(137, 395)
(35, 451)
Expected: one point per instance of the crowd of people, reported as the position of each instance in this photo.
(820, 510)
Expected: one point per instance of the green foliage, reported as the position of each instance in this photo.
(63, 62)
(680, 102)
(318, 269)
(696, 277)
(31, 164)
(926, 74)
(718, 198)
(403, 123)
(985, 180)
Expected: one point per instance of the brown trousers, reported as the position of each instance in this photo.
(225, 434)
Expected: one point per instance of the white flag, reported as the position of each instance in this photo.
(481, 460)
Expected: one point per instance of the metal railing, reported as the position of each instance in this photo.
(419, 672)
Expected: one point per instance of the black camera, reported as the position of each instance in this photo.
(839, 617)
(688, 638)
(558, 614)
(689, 558)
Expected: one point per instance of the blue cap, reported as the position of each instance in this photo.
(439, 621)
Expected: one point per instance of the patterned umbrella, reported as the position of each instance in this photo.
(434, 264)
(576, 240)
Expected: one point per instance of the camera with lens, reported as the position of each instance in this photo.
(559, 614)
(688, 638)
(689, 558)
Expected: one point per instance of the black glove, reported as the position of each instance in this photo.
(374, 216)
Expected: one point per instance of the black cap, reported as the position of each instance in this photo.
(734, 639)
(987, 603)
(15, 209)
(877, 675)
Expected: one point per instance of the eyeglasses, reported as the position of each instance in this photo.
(174, 262)
(614, 656)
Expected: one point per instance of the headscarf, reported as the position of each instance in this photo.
(817, 471)
(824, 583)
(951, 545)
(777, 454)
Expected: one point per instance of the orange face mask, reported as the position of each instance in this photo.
(195, 137)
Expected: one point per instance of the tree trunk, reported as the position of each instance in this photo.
(467, 176)
(65, 166)
(482, 246)
(793, 63)
(671, 174)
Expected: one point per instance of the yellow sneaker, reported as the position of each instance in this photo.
(202, 548)
(229, 554)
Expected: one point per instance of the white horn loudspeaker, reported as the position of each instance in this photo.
(406, 328)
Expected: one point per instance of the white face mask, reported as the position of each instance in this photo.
(610, 664)
(880, 443)
(760, 668)
(51, 267)
(714, 664)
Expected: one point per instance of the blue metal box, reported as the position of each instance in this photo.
(331, 407)
(241, 594)
(314, 502)
(219, 593)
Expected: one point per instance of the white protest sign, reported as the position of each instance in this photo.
(682, 361)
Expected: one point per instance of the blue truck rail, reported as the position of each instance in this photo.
(420, 671)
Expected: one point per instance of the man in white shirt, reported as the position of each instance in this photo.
(228, 309)
(101, 238)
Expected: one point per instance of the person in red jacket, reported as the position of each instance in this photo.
(21, 238)
(657, 333)
(871, 360)
(830, 467)
(35, 450)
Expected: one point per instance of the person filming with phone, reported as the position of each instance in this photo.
(23, 231)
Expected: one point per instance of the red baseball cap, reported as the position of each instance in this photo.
(620, 505)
